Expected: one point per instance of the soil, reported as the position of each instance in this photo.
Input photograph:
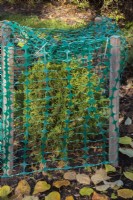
(67, 12)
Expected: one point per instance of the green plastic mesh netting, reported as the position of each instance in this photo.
(56, 99)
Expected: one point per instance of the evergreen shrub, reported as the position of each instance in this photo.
(70, 103)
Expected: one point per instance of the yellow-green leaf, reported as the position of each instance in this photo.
(86, 191)
(110, 168)
(41, 186)
(125, 140)
(129, 175)
(61, 183)
(125, 193)
(113, 196)
(20, 44)
(23, 188)
(127, 151)
(5, 191)
(53, 196)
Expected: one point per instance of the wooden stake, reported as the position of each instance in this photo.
(114, 100)
(7, 117)
(98, 19)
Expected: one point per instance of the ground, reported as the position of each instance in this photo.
(69, 14)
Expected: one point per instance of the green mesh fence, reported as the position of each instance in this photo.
(59, 97)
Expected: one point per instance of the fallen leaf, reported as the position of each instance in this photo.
(23, 188)
(97, 196)
(121, 119)
(86, 191)
(127, 151)
(5, 191)
(102, 187)
(53, 196)
(131, 144)
(16, 197)
(125, 193)
(128, 121)
(99, 176)
(30, 198)
(21, 43)
(83, 179)
(113, 196)
(117, 183)
(70, 175)
(61, 164)
(69, 198)
(125, 140)
(61, 183)
(89, 169)
(110, 168)
(129, 175)
(41, 186)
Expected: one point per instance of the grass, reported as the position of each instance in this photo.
(35, 22)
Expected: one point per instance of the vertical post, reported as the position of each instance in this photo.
(7, 109)
(114, 100)
(98, 19)
(0, 94)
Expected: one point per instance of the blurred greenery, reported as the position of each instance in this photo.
(128, 31)
(35, 22)
(119, 10)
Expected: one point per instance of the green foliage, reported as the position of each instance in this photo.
(82, 4)
(128, 30)
(85, 101)
(111, 9)
(34, 21)
(22, 2)
(117, 15)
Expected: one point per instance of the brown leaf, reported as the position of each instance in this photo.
(115, 184)
(83, 179)
(16, 197)
(102, 187)
(70, 175)
(99, 176)
(97, 196)
(125, 193)
(69, 198)
(61, 164)
(30, 198)
(23, 188)
(61, 183)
